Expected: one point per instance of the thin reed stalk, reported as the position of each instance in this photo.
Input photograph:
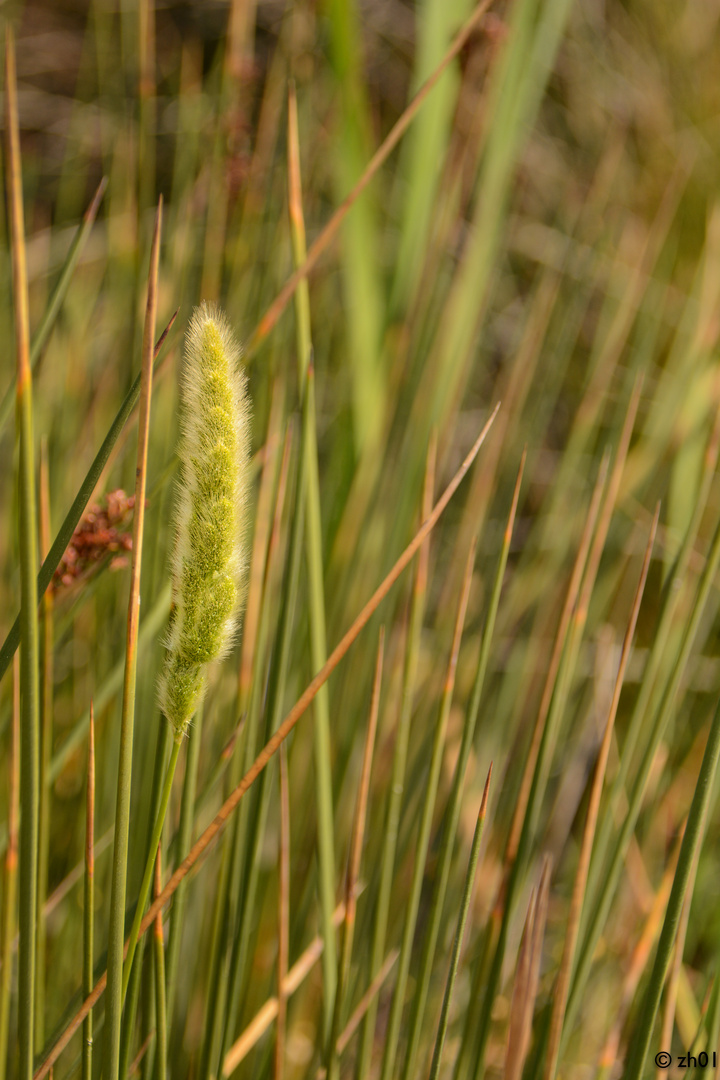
(10, 872)
(46, 730)
(89, 901)
(30, 653)
(316, 587)
(159, 959)
(283, 915)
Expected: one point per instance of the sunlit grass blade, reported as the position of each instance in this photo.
(316, 586)
(452, 814)
(58, 295)
(639, 1042)
(271, 747)
(114, 1001)
(353, 868)
(10, 871)
(89, 901)
(578, 894)
(30, 652)
(402, 736)
(46, 735)
(74, 514)
(460, 932)
(423, 838)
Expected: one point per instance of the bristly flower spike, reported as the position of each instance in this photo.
(209, 561)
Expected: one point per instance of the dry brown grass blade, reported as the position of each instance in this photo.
(283, 913)
(580, 883)
(278, 305)
(280, 735)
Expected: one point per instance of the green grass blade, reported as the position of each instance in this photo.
(316, 598)
(184, 837)
(30, 653)
(10, 864)
(160, 998)
(89, 902)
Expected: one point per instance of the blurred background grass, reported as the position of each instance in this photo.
(546, 234)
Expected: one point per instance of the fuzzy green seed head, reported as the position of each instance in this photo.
(209, 557)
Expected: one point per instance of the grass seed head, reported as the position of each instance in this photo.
(209, 560)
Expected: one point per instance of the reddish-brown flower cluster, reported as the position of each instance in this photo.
(99, 533)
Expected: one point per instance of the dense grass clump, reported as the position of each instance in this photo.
(443, 801)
